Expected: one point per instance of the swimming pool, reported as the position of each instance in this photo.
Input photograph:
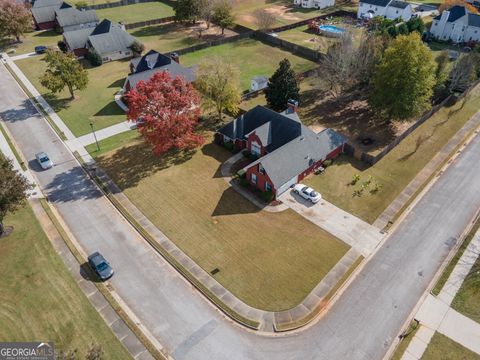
(331, 28)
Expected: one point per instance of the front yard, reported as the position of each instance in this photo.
(253, 58)
(444, 348)
(31, 39)
(94, 104)
(269, 260)
(129, 14)
(397, 168)
(467, 300)
(40, 299)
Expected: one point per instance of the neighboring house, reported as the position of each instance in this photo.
(43, 12)
(287, 150)
(110, 40)
(143, 68)
(258, 83)
(317, 4)
(456, 24)
(390, 9)
(69, 19)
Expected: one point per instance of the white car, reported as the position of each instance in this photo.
(44, 160)
(307, 193)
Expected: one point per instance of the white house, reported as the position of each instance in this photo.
(390, 9)
(456, 24)
(317, 4)
(258, 83)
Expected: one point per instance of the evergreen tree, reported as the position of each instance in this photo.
(282, 86)
(187, 10)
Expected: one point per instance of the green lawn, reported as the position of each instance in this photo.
(270, 261)
(94, 104)
(467, 300)
(32, 39)
(40, 300)
(252, 57)
(112, 143)
(398, 167)
(443, 348)
(129, 14)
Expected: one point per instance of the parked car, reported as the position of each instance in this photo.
(41, 49)
(44, 160)
(100, 265)
(307, 193)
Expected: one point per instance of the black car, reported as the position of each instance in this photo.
(100, 266)
(40, 49)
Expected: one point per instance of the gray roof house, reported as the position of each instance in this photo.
(69, 19)
(43, 12)
(143, 68)
(287, 150)
(111, 41)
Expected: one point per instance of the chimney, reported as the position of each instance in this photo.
(292, 106)
(175, 57)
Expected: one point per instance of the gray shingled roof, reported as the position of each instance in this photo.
(77, 39)
(473, 20)
(399, 4)
(112, 38)
(43, 3)
(174, 69)
(382, 3)
(72, 16)
(44, 10)
(299, 154)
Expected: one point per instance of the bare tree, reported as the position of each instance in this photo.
(263, 19)
(463, 73)
(206, 11)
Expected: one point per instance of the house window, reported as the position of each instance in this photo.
(397, 11)
(268, 187)
(254, 178)
(475, 31)
(256, 149)
(261, 169)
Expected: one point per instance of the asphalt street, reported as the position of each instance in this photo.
(362, 323)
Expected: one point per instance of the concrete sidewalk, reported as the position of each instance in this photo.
(106, 133)
(23, 56)
(357, 233)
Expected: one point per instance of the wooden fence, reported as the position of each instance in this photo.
(149, 22)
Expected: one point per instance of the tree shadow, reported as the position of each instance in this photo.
(130, 164)
(56, 103)
(110, 109)
(23, 112)
(117, 83)
(71, 185)
(233, 203)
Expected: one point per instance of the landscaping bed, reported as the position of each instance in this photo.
(40, 299)
(253, 58)
(129, 14)
(95, 104)
(271, 261)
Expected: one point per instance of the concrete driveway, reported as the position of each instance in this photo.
(345, 226)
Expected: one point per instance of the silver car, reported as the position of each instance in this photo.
(44, 160)
(307, 193)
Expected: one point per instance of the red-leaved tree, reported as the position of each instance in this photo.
(167, 111)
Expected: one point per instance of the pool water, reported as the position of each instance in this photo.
(331, 28)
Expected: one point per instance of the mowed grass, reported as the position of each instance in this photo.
(269, 260)
(129, 14)
(40, 300)
(443, 348)
(30, 40)
(94, 104)
(398, 167)
(304, 37)
(253, 58)
(112, 143)
(467, 300)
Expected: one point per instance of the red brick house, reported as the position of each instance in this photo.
(44, 13)
(287, 150)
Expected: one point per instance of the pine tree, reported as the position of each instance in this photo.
(282, 86)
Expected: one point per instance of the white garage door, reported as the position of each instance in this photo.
(287, 185)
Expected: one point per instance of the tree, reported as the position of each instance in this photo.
(63, 70)
(219, 84)
(13, 189)
(282, 86)
(206, 11)
(441, 73)
(169, 110)
(264, 19)
(94, 57)
(15, 19)
(222, 14)
(404, 80)
(187, 10)
(416, 24)
(137, 48)
(447, 4)
(463, 73)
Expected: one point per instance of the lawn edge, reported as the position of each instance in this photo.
(8, 138)
(102, 288)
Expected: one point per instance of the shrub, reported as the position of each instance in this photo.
(327, 163)
(137, 48)
(62, 46)
(355, 179)
(229, 146)
(367, 182)
(246, 153)
(376, 188)
(244, 181)
(81, 4)
(94, 58)
(357, 193)
(267, 196)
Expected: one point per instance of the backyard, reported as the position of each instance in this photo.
(397, 168)
(443, 348)
(253, 58)
(95, 104)
(40, 300)
(129, 14)
(174, 36)
(269, 260)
